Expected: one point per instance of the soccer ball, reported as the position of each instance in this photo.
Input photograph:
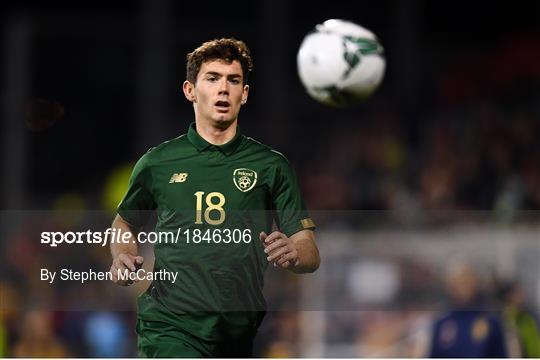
(340, 63)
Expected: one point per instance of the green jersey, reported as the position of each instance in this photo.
(211, 203)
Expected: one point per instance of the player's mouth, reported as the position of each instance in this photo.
(222, 105)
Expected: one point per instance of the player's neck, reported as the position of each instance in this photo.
(216, 135)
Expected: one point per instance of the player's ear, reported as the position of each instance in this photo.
(245, 93)
(189, 91)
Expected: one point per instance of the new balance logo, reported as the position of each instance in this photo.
(178, 178)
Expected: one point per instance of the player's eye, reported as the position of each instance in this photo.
(212, 78)
(235, 81)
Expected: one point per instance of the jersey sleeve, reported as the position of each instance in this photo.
(291, 215)
(138, 201)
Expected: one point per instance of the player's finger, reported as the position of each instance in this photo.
(270, 238)
(114, 277)
(127, 261)
(278, 250)
(262, 236)
(119, 264)
(275, 245)
(286, 264)
(114, 269)
(114, 273)
(137, 262)
(284, 259)
(278, 253)
(273, 236)
(289, 258)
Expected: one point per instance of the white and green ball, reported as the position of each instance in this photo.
(340, 63)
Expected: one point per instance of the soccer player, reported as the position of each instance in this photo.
(222, 191)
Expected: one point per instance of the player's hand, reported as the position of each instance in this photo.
(125, 262)
(280, 249)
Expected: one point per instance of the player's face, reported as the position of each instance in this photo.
(219, 92)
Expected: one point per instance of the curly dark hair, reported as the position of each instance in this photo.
(226, 49)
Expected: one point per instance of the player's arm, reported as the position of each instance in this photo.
(124, 254)
(298, 253)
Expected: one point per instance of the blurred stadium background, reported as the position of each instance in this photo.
(439, 169)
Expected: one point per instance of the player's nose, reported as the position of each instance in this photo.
(223, 87)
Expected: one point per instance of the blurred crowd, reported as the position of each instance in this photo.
(478, 317)
(63, 319)
(470, 144)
